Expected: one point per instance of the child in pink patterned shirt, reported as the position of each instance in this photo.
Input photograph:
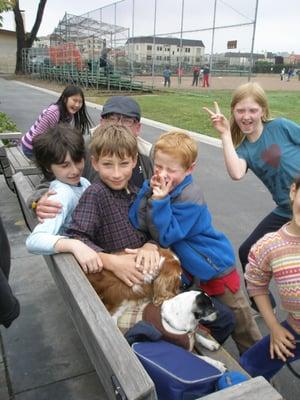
(276, 255)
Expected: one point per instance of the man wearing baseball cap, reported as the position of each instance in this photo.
(121, 110)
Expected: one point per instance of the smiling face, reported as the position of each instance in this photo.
(114, 171)
(170, 169)
(69, 171)
(74, 103)
(248, 116)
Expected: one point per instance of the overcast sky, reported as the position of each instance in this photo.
(276, 30)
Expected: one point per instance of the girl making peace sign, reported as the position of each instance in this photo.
(269, 147)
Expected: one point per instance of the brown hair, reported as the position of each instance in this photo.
(178, 144)
(110, 140)
(53, 146)
(254, 90)
(296, 182)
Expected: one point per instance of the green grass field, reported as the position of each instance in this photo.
(184, 110)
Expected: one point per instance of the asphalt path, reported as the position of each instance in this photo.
(236, 207)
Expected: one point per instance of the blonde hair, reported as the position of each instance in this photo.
(179, 145)
(113, 140)
(254, 90)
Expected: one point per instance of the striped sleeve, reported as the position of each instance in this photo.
(47, 119)
(258, 270)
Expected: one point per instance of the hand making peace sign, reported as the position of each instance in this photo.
(219, 121)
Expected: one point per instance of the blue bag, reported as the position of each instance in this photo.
(176, 373)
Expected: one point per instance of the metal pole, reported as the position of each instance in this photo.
(131, 53)
(180, 51)
(212, 39)
(153, 43)
(115, 45)
(252, 44)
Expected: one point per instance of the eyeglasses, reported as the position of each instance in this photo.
(121, 119)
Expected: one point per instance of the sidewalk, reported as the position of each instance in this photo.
(42, 356)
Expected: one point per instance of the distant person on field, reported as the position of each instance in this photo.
(205, 81)
(167, 76)
(282, 73)
(196, 73)
(290, 74)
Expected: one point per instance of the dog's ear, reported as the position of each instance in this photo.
(167, 284)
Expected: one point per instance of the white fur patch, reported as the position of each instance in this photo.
(217, 364)
(209, 344)
(178, 311)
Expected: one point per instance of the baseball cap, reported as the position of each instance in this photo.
(122, 105)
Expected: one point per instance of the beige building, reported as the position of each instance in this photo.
(164, 50)
(8, 50)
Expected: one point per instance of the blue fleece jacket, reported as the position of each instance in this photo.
(182, 222)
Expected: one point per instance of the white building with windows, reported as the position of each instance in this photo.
(164, 50)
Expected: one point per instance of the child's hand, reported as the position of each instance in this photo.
(160, 187)
(47, 208)
(282, 342)
(147, 258)
(124, 267)
(89, 260)
(219, 121)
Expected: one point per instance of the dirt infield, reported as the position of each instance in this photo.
(268, 82)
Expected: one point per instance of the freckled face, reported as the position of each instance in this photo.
(248, 115)
(169, 168)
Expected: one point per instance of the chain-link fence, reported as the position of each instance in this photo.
(139, 40)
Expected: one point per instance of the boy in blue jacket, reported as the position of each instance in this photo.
(171, 207)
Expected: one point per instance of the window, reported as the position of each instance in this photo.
(187, 50)
(158, 57)
(149, 58)
(159, 48)
(149, 47)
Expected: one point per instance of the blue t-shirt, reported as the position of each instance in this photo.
(275, 160)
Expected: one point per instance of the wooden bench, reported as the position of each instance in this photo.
(12, 160)
(119, 371)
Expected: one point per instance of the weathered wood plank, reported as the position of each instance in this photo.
(254, 389)
(11, 135)
(109, 352)
(115, 363)
(19, 162)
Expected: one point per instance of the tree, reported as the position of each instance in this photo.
(25, 40)
(5, 5)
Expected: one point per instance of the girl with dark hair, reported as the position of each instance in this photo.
(70, 109)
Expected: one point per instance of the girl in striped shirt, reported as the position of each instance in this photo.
(70, 108)
(276, 255)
